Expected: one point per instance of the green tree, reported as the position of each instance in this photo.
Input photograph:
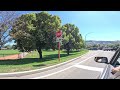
(46, 27)
(116, 45)
(22, 32)
(36, 31)
(72, 37)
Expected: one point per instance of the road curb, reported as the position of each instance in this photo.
(17, 74)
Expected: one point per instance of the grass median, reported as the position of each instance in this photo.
(32, 61)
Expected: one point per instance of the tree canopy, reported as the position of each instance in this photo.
(35, 31)
(72, 37)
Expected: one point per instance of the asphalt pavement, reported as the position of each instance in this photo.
(82, 68)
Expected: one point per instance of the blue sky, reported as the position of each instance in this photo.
(105, 25)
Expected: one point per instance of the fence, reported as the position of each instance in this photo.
(22, 55)
(16, 56)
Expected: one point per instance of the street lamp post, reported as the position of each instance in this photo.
(86, 36)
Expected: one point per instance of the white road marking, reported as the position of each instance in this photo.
(86, 59)
(89, 68)
(62, 69)
(52, 73)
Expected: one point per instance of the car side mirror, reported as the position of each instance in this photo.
(101, 59)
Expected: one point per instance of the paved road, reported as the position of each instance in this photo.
(82, 68)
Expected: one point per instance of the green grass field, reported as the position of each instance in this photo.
(32, 61)
(8, 52)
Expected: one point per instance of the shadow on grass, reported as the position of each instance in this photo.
(32, 60)
(39, 65)
(54, 56)
(70, 51)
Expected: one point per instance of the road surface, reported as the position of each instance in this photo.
(82, 68)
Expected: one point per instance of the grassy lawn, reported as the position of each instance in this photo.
(31, 61)
(8, 52)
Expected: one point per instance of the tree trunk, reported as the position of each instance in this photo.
(40, 53)
(68, 48)
(53, 48)
(68, 51)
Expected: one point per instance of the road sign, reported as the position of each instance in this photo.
(59, 40)
(59, 51)
(59, 33)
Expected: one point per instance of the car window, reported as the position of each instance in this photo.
(117, 62)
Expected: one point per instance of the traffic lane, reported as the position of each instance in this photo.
(89, 54)
(92, 62)
(71, 73)
(74, 73)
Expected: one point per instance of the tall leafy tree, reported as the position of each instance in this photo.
(72, 37)
(22, 32)
(46, 26)
(36, 31)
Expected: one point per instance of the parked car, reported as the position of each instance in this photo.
(114, 62)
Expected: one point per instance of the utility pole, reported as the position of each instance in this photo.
(86, 36)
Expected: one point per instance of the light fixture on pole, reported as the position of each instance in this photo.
(86, 36)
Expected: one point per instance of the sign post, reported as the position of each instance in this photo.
(59, 51)
(58, 39)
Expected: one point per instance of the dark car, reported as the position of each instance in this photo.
(114, 62)
(109, 49)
